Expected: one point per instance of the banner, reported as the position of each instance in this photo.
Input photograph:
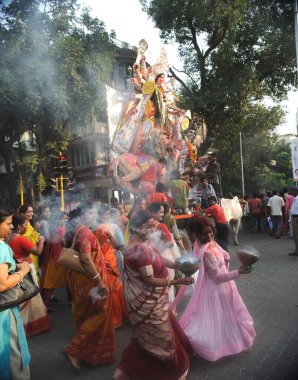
(294, 148)
(115, 101)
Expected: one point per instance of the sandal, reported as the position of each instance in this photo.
(73, 361)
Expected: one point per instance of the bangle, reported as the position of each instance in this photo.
(95, 277)
(21, 277)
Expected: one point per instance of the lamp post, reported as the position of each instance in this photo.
(296, 31)
(21, 189)
(241, 162)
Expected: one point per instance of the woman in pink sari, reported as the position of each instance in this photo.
(216, 320)
(159, 348)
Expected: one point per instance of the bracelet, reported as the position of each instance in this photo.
(95, 277)
(21, 277)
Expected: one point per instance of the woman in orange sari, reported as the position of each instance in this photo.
(94, 340)
(108, 241)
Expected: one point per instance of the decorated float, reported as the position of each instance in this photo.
(151, 126)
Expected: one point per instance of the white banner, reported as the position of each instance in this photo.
(294, 148)
(115, 101)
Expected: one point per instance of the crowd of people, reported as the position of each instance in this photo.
(130, 275)
(270, 212)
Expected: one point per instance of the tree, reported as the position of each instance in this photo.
(54, 61)
(259, 153)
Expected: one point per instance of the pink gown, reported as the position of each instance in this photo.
(216, 320)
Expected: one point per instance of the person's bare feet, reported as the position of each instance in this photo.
(119, 375)
(73, 361)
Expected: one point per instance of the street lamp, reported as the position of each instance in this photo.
(241, 161)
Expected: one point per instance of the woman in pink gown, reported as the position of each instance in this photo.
(216, 320)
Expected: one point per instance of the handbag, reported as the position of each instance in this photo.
(20, 293)
(70, 258)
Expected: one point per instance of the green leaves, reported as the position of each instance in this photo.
(54, 60)
(237, 54)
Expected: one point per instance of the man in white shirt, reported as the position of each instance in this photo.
(294, 219)
(275, 207)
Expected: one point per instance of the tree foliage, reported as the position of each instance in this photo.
(236, 55)
(54, 59)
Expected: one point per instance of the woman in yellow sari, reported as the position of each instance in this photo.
(31, 232)
(94, 340)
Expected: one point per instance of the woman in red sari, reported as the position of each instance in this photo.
(94, 340)
(33, 312)
(158, 347)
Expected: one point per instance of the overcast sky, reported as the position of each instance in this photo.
(131, 24)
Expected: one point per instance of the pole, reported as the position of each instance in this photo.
(21, 189)
(296, 31)
(62, 192)
(241, 160)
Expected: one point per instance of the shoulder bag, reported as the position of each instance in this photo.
(70, 258)
(20, 293)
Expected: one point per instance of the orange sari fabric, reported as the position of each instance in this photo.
(94, 341)
(103, 234)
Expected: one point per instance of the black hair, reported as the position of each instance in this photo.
(197, 224)
(18, 220)
(139, 219)
(136, 204)
(4, 214)
(203, 179)
(155, 206)
(160, 187)
(114, 201)
(212, 198)
(41, 209)
(23, 208)
(75, 213)
(166, 207)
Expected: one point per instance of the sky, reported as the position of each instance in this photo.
(131, 24)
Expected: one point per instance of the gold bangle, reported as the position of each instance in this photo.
(21, 277)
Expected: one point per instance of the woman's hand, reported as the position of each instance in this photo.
(186, 281)
(244, 270)
(23, 267)
(102, 289)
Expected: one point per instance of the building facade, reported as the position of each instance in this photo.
(89, 151)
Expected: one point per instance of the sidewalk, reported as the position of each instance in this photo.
(270, 293)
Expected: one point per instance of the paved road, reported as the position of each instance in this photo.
(270, 293)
